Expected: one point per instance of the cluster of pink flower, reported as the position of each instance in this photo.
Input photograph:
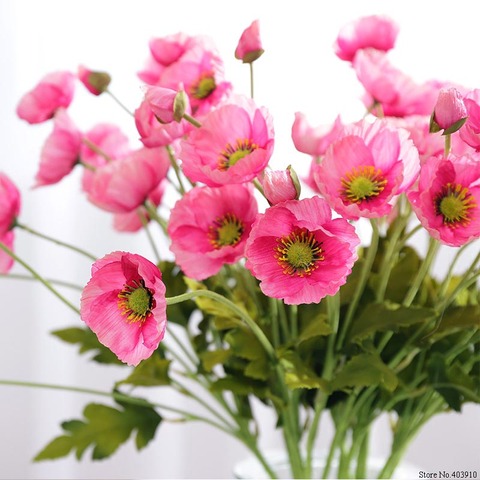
(297, 248)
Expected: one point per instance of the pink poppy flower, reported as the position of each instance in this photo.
(60, 152)
(450, 112)
(299, 253)
(132, 221)
(94, 81)
(209, 228)
(373, 31)
(470, 133)
(124, 304)
(55, 90)
(233, 145)
(124, 185)
(395, 91)
(249, 46)
(155, 134)
(6, 261)
(10, 203)
(363, 170)
(280, 185)
(447, 198)
(167, 105)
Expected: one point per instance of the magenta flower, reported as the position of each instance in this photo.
(55, 90)
(95, 82)
(209, 228)
(470, 133)
(363, 170)
(280, 185)
(374, 31)
(124, 185)
(299, 253)
(6, 261)
(167, 105)
(450, 112)
(124, 304)
(249, 46)
(447, 198)
(60, 152)
(10, 203)
(233, 145)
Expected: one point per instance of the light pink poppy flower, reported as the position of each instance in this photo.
(6, 261)
(95, 82)
(363, 170)
(447, 198)
(299, 253)
(132, 221)
(124, 304)
(395, 91)
(233, 145)
(449, 112)
(124, 185)
(167, 105)
(373, 31)
(209, 227)
(55, 90)
(10, 203)
(280, 185)
(60, 152)
(470, 133)
(249, 46)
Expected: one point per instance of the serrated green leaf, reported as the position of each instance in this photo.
(298, 374)
(152, 372)
(437, 374)
(318, 326)
(211, 358)
(245, 344)
(457, 319)
(240, 386)
(57, 448)
(258, 369)
(365, 370)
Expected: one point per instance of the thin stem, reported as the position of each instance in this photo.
(144, 220)
(152, 213)
(448, 276)
(60, 283)
(119, 102)
(97, 150)
(57, 242)
(448, 145)
(176, 169)
(192, 120)
(39, 277)
(251, 80)
(188, 354)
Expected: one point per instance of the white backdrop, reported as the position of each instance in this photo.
(297, 73)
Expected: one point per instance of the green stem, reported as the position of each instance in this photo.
(448, 145)
(54, 240)
(119, 102)
(251, 79)
(361, 468)
(153, 214)
(61, 283)
(144, 220)
(96, 149)
(446, 281)
(192, 120)
(39, 278)
(176, 169)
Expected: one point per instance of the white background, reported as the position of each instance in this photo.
(298, 72)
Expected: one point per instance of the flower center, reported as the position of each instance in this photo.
(362, 183)
(454, 203)
(136, 301)
(204, 86)
(226, 230)
(299, 253)
(232, 154)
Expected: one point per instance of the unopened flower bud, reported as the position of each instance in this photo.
(449, 113)
(249, 46)
(96, 82)
(167, 105)
(281, 185)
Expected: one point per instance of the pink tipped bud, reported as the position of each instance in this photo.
(249, 46)
(449, 113)
(281, 185)
(96, 82)
(167, 105)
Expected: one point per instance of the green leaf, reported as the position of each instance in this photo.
(457, 319)
(318, 326)
(245, 344)
(259, 369)
(298, 374)
(214, 357)
(240, 386)
(104, 428)
(437, 374)
(381, 317)
(88, 342)
(365, 370)
(152, 372)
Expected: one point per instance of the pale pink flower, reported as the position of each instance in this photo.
(55, 90)
(95, 82)
(449, 112)
(124, 304)
(249, 46)
(280, 185)
(209, 228)
(132, 221)
(366, 168)
(375, 31)
(299, 253)
(60, 152)
(447, 198)
(10, 203)
(6, 261)
(233, 145)
(155, 134)
(470, 133)
(167, 105)
(124, 185)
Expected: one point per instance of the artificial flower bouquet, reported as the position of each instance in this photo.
(268, 293)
